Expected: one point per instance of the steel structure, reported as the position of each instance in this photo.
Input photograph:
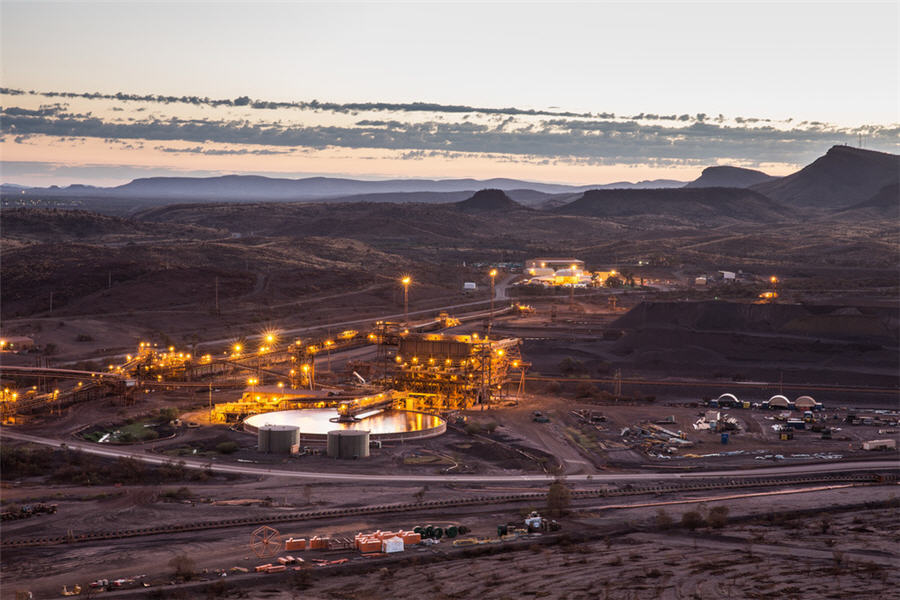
(455, 371)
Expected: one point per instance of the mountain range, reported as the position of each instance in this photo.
(842, 178)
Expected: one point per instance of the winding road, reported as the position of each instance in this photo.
(145, 457)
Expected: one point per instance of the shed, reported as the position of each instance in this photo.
(394, 544)
(805, 403)
(779, 401)
(727, 401)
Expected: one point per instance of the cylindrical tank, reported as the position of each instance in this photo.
(278, 439)
(348, 443)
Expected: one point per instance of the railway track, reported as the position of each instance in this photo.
(857, 479)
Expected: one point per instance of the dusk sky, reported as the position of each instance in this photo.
(589, 92)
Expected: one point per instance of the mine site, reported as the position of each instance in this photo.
(462, 301)
(230, 406)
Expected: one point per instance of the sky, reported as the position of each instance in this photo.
(587, 92)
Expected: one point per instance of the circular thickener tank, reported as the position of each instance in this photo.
(348, 443)
(278, 439)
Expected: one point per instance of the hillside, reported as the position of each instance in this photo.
(725, 176)
(716, 205)
(843, 177)
(488, 201)
(41, 224)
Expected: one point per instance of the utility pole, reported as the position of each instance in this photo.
(217, 295)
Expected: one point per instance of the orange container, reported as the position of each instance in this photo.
(276, 569)
(410, 538)
(295, 544)
(370, 546)
(262, 568)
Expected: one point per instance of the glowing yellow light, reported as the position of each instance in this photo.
(773, 279)
(406, 280)
(493, 272)
(237, 348)
(305, 368)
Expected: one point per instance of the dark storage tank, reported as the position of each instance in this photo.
(278, 439)
(348, 443)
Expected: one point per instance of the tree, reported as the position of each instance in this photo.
(184, 566)
(558, 498)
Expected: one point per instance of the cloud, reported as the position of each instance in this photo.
(640, 139)
(220, 151)
(307, 105)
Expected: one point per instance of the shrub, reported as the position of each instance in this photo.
(718, 517)
(227, 447)
(473, 428)
(585, 390)
(552, 387)
(663, 520)
(692, 520)
(149, 434)
(571, 366)
(83, 337)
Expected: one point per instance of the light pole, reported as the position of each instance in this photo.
(406, 281)
(774, 281)
(493, 275)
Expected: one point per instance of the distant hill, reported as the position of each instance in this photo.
(255, 188)
(489, 201)
(726, 176)
(843, 177)
(884, 204)
(694, 204)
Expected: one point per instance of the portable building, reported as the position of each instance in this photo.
(394, 544)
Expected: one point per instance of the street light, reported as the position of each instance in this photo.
(406, 281)
(493, 275)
